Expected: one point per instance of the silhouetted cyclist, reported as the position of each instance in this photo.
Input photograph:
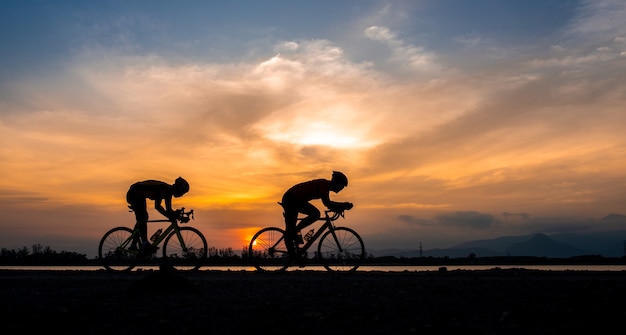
(137, 197)
(297, 200)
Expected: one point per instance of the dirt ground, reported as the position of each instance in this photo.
(511, 301)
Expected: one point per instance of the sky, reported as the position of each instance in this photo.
(453, 120)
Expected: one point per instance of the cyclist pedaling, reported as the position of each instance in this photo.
(158, 191)
(297, 200)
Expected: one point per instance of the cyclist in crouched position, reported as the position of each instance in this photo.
(297, 200)
(137, 197)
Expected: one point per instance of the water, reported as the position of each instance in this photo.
(364, 268)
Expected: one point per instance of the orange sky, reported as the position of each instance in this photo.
(517, 136)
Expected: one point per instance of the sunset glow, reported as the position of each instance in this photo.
(433, 110)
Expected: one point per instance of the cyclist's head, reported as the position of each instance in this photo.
(339, 181)
(181, 186)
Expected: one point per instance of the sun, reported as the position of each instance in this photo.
(327, 136)
(246, 234)
(320, 133)
(312, 124)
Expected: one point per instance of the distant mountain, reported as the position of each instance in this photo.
(541, 245)
(498, 245)
(394, 252)
(607, 244)
(459, 253)
(614, 217)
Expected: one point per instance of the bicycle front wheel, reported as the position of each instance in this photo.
(185, 250)
(341, 250)
(268, 250)
(113, 250)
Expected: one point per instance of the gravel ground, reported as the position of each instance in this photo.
(511, 301)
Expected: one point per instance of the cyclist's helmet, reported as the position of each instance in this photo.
(181, 186)
(339, 178)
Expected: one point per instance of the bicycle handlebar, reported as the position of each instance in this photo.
(183, 216)
(336, 213)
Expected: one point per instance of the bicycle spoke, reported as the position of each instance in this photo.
(186, 251)
(341, 250)
(113, 250)
(268, 251)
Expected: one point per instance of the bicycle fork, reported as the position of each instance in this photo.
(180, 240)
(339, 244)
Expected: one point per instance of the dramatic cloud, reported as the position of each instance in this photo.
(448, 128)
(411, 57)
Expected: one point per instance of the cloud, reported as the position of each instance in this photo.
(151, 118)
(407, 55)
(459, 219)
(520, 215)
(599, 17)
(411, 220)
(377, 33)
(468, 219)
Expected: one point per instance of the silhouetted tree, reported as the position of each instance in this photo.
(40, 255)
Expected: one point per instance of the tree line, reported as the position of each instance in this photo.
(38, 254)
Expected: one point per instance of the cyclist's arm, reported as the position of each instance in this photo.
(334, 204)
(167, 210)
(341, 206)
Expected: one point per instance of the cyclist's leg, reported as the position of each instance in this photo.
(312, 214)
(139, 207)
(291, 218)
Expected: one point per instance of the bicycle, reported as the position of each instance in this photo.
(184, 248)
(340, 249)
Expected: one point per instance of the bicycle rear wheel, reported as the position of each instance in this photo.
(268, 251)
(187, 253)
(343, 253)
(113, 250)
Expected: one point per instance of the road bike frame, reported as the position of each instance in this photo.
(173, 227)
(339, 249)
(328, 224)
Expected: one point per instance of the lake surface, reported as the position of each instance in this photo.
(386, 268)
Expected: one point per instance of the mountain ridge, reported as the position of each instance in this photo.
(563, 245)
